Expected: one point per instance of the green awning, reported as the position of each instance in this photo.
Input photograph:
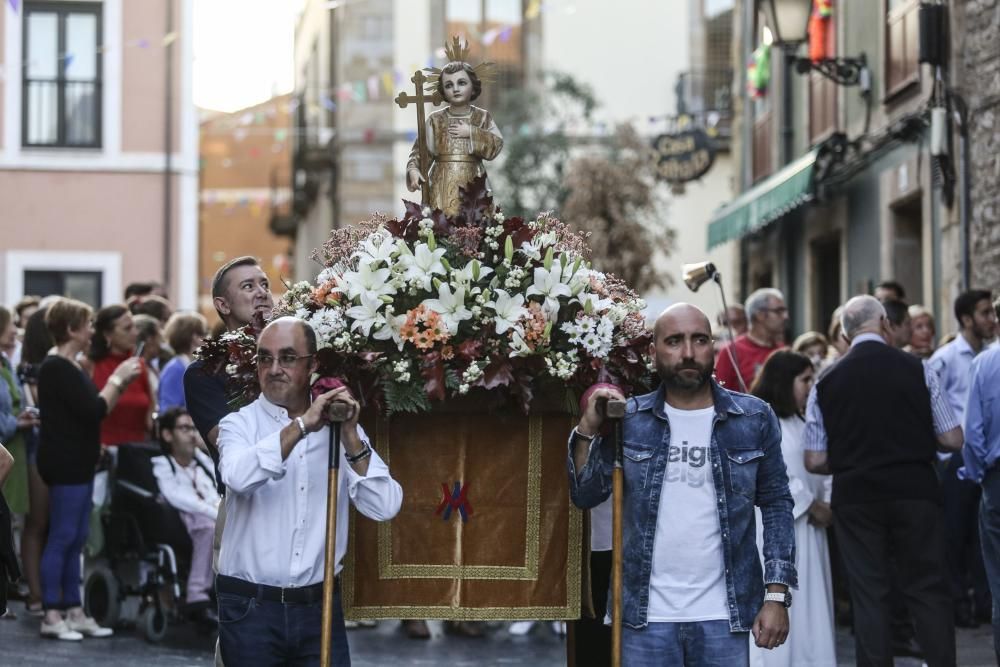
(775, 196)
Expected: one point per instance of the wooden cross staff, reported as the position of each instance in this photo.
(420, 99)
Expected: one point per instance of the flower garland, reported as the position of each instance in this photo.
(431, 307)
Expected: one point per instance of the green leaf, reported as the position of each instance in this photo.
(405, 397)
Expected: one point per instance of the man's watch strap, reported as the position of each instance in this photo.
(785, 599)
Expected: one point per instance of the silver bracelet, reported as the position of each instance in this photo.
(302, 427)
(363, 454)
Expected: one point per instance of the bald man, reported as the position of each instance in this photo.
(698, 458)
(274, 463)
(874, 422)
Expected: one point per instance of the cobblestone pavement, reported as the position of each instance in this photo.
(379, 647)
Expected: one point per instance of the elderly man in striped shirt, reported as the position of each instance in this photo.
(875, 422)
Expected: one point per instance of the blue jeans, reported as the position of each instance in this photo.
(700, 644)
(264, 633)
(69, 523)
(989, 531)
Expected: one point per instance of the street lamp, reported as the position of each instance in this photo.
(789, 24)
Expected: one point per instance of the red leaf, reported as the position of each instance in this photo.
(497, 374)
(432, 370)
(470, 349)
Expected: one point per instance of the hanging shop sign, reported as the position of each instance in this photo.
(683, 156)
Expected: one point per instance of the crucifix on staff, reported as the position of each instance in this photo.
(420, 99)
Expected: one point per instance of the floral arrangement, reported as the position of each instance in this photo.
(431, 307)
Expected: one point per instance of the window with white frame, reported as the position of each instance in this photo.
(84, 286)
(61, 87)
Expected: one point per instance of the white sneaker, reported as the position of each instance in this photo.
(60, 630)
(518, 628)
(88, 627)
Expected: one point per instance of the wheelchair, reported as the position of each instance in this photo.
(147, 551)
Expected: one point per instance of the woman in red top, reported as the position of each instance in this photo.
(114, 341)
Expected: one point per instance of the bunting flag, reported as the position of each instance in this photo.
(14, 4)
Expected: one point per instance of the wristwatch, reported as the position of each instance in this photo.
(782, 598)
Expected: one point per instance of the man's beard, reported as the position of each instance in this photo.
(673, 379)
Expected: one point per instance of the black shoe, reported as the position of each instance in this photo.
(906, 648)
(964, 617)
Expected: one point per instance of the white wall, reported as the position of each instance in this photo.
(689, 215)
(631, 52)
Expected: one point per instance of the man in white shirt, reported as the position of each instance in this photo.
(274, 461)
(186, 480)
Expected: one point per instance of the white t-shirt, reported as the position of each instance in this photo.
(600, 526)
(688, 578)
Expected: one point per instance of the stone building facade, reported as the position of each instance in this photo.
(976, 49)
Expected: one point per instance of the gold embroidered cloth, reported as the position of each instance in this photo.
(517, 554)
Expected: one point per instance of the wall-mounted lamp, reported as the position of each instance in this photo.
(788, 21)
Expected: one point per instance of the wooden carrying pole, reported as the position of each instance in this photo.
(615, 411)
(337, 413)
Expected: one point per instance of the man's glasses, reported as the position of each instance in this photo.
(285, 360)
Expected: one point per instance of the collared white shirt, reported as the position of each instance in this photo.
(190, 489)
(275, 531)
(953, 365)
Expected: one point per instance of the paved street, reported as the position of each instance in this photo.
(385, 645)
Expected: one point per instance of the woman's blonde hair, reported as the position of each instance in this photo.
(65, 315)
(181, 328)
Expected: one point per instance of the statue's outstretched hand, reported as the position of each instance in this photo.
(414, 179)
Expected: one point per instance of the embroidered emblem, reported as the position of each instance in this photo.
(456, 499)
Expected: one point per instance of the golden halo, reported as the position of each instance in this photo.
(457, 51)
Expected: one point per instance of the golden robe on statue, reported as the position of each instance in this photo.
(456, 161)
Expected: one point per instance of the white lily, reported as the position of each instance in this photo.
(423, 264)
(391, 329)
(367, 282)
(596, 303)
(367, 315)
(376, 249)
(518, 347)
(467, 275)
(450, 306)
(548, 283)
(509, 309)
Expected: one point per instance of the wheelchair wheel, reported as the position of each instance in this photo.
(153, 624)
(102, 597)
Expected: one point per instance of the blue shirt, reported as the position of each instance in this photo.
(172, 384)
(982, 417)
(941, 412)
(953, 365)
(747, 470)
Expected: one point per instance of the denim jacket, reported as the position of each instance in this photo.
(748, 470)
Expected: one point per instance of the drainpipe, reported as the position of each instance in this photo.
(788, 108)
(747, 129)
(168, 146)
(962, 118)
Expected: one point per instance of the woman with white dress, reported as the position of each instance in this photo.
(784, 382)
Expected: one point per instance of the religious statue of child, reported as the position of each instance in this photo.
(458, 137)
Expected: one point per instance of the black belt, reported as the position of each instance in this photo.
(312, 594)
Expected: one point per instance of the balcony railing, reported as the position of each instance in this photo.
(706, 96)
